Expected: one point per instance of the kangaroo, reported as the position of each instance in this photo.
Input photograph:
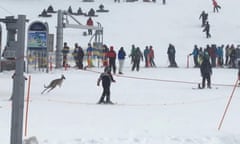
(53, 84)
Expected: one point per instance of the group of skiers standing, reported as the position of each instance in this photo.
(216, 54)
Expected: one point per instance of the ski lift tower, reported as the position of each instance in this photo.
(64, 23)
(15, 50)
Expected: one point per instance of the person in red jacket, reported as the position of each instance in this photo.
(215, 6)
(89, 23)
(151, 57)
(112, 59)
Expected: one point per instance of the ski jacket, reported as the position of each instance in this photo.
(151, 53)
(111, 53)
(65, 50)
(121, 54)
(137, 55)
(90, 22)
(206, 67)
(146, 52)
(215, 3)
(106, 78)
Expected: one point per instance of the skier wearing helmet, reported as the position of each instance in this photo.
(106, 78)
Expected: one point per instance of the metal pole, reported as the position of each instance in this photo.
(59, 41)
(18, 91)
(0, 48)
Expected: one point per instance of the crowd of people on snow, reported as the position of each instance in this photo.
(109, 56)
(220, 56)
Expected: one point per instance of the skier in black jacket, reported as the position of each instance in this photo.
(207, 30)
(204, 17)
(106, 78)
(206, 71)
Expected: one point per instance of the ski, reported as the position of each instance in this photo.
(200, 87)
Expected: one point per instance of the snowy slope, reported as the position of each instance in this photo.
(155, 105)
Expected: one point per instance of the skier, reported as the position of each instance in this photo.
(89, 23)
(204, 17)
(89, 55)
(132, 53)
(215, 6)
(207, 30)
(195, 56)
(106, 78)
(65, 52)
(151, 57)
(112, 59)
(80, 56)
(171, 55)
(136, 59)
(206, 71)
(146, 56)
(121, 58)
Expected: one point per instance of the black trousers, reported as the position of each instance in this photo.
(204, 78)
(106, 93)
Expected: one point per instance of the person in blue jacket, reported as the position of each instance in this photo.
(195, 55)
(121, 58)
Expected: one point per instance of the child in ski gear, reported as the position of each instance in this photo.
(206, 70)
(106, 78)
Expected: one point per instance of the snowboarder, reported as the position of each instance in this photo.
(206, 71)
(106, 78)
(207, 30)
